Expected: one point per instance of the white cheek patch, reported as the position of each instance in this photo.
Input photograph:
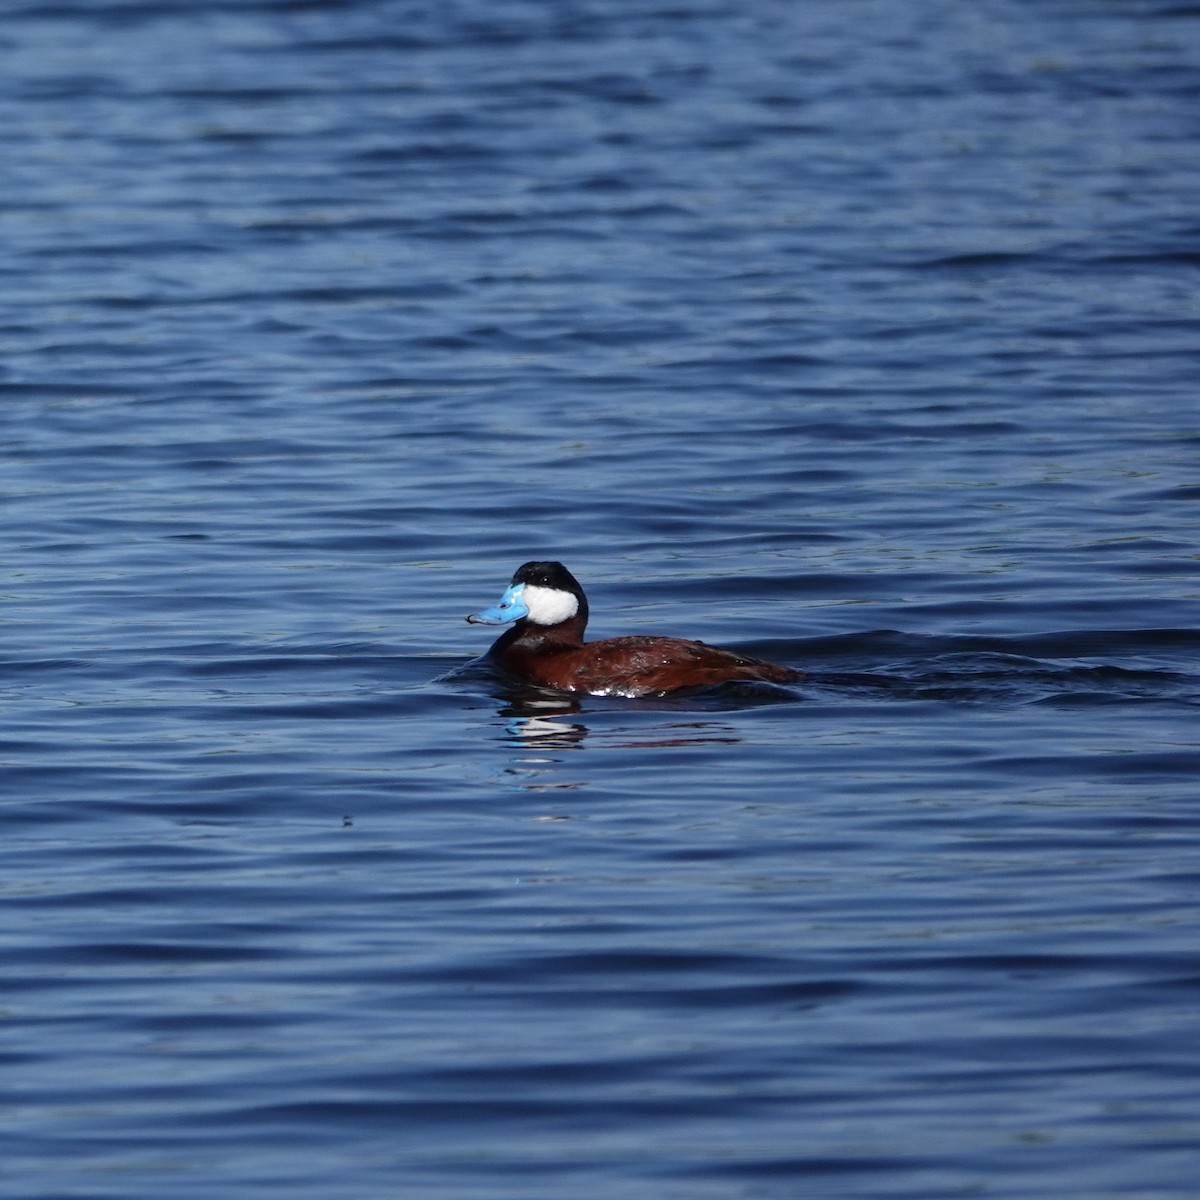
(548, 606)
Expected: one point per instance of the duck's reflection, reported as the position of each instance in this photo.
(542, 740)
(535, 717)
(538, 719)
(542, 724)
(548, 733)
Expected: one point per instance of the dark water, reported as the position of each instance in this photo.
(859, 336)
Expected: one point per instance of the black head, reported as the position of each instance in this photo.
(541, 594)
(548, 575)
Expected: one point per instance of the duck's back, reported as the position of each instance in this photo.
(642, 666)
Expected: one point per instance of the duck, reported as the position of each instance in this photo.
(548, 611)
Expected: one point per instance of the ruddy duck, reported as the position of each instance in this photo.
(546, 646)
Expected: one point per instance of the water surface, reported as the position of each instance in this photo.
(857, 337)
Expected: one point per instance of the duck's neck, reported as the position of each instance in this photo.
(525, 633)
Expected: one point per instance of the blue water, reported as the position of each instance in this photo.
(862, 337)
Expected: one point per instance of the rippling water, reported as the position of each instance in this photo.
(858, 336)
